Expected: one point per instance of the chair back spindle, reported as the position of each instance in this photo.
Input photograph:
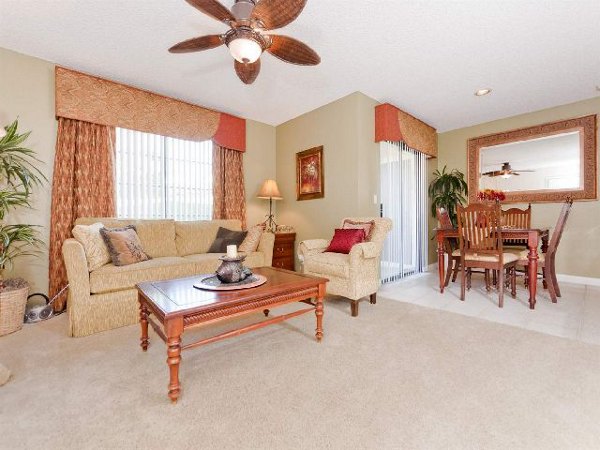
(516, 218)
(479, 229)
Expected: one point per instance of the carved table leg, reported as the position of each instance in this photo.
(441, 268)
(319, 313)
(373, 298)
(144, 324)
(532, 269)
(174, 329)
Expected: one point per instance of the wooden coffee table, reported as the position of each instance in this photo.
(177, 305)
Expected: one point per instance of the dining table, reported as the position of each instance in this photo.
(533, 236)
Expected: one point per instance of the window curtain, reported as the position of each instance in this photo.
(82, 186)
(229, 195)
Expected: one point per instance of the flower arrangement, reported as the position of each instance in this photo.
(491, 195)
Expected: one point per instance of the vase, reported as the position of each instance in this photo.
(232, 270)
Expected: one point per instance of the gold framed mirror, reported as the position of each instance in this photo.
(543, 163)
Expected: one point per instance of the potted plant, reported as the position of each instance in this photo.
(18, 176)
(446, 190)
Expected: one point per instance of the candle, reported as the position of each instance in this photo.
(232, 251)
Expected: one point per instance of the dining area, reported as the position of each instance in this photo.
(499, 243)
(488, 234)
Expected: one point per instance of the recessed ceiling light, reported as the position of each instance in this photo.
(481, 92)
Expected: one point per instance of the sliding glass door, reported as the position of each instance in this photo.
(404, 200)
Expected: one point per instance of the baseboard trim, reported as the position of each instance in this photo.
(573, 279)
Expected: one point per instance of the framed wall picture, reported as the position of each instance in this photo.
(309, 174)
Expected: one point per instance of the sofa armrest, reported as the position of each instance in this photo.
(265, 245)
(311, 247)
(77, 271)
(364, 250)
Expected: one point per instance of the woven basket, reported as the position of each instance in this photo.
(13, 299)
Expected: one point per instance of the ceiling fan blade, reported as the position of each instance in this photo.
(213, 9)
(277, 13)
(493, 173)
(197, 44)
(515, 173)
(293, 51)
(247, 72)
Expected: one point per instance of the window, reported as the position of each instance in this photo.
(404, 200)
(160, 177)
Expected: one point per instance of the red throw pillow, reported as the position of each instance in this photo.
(344, 239)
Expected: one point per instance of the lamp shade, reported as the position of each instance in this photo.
(269, 190)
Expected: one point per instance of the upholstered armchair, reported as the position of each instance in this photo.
(355, 275)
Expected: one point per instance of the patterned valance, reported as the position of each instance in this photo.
(393, 124)
(92, 99)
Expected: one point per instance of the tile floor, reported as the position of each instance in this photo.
(575, 316)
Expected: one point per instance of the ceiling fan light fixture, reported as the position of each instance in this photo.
(245, 50)
(506, 175)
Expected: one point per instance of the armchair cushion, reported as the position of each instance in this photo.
(344, 239)
(329, 264)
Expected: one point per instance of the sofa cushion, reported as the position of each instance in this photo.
(157, 236)
(332, 264)
(225, 238)
(252, 239)
(123, 245)
(209, 262)
(96, 252)
(197, 236)
(111, 278)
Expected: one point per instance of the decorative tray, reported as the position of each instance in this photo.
(212, 283)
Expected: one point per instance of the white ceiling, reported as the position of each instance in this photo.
(425, 56)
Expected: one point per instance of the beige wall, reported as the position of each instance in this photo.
(578, 251)
(27, 91)
(259, 164)
(345, 129)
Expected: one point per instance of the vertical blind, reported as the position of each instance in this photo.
(404, 200)
(159, 177)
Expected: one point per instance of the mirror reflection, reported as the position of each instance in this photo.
(546, 163)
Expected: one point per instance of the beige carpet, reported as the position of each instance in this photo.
(398, 376)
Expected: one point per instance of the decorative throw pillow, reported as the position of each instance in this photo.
(124, 245)
(250, 243)
(226, 237)
(368, 226)
(344, 239)
(94, 247)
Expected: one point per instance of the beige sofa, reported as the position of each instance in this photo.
(106, 298)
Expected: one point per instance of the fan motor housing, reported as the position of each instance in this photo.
(242, 10)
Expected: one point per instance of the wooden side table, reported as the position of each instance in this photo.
(283, 251)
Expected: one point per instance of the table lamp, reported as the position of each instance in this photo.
(270, 191)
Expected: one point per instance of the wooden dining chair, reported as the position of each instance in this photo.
(516, 218)
(547, 260)
(480, 243)
(450, 246)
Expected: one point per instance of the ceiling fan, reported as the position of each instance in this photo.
(505, 172)
(247, 40)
